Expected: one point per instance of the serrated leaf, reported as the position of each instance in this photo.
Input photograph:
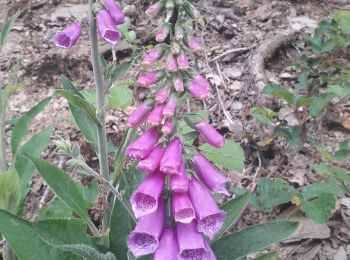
(6, 29)
(339, 174)
(315, 189)
(252, 239)
(9, 190)
(87, 252)
(319, 209)
(279, 91)
(319, 103)
(230, 156)
(119, 97)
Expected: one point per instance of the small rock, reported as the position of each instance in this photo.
(300, 22)
(237, 105)
(286, 75)
(340, 254)
(233, 73)
(236, 85)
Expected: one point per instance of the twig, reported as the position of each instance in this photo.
(254, 184)
(243, 49)
(114, 53)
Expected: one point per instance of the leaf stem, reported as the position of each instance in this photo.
(100, 104)
(3, 166)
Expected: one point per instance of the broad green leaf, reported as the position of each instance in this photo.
(119, 71)
(268, 256)
(230, 156)
(344, 24)
(319, 209)
(89, 95)
(263, 115)
(315, 189)
(25, 242)
(21, 127)
(303, 80)
(64, 188)
(292, 134)
(279, 91)
(87, 252)
(85, 124)
(233, 209)
(320, 103)
(252, 239)
(341, 91)
(271, 193)
(339, 174)
(55, 209)
(9, 190)
(10, 89)
(89, 193)
(343, 152)
(119, 97)
(6, 28)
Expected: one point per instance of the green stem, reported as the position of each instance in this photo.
(3, 166)
(100, 104)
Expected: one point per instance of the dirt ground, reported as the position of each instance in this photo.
(234, 33)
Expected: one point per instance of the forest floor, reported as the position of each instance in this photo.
(234, 34)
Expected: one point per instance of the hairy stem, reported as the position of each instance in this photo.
(100, 104)
(3, 166)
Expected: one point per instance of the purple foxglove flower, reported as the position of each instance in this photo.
(210, 135)
(155, 9)
(152, 161)
(198, 91)
(172, 158)
(139, 115)
(115, 12)
(200, 80)
(182, 61)
(191, 242)
(150, 79)
(146, 198)
(209, 217)
(171, 64)
(163, 95)
(178, 83)
(168, 248)
(156, 116)
(211, 253)
(163, 33)
(69, 36)
(182, 208)
(144, 239)
(168, 126)
(193, 43)
(169, 109)
(179, 183)
(179, 31)
(153, 56)
(209, 175)
(143, 145)
(107, 28)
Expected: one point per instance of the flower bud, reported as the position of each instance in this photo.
(170, 5)
(163, 94)
(200, 80)
(152, 161)
(198, 91)
(139, 115)
(69, 36)
(178, 83)
(168, 126)
(193, 43)
(171, 64)
(153, 56)
(163, 33)
(179, 183)
(106, 27)
(155, 9)
(179, 31)
(114, 11)
(191, 10)
(143, 145)
(150, 78)
(169, 109)
(182, 61)
(210, 135)
(156, 116)
(172, 158)
(175, 48)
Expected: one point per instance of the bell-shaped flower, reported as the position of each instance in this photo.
(115, 12)
(179, 183)
(168, 248)
(149, 79)
(156, 116)
(143, 145)
(155, 9)
(193, 43)
(152, 161)
(163, 32)
(191, 242)
(163, 94)
(209, 175)
(182, 208)
(168, 126)
(178, 83)
(169, 109)
(145, 238)
(209, 217)
(146, 198)
(139, 115)
(172, 158)
(210, 135)
(153, 56)
(200, 80)
(107, 28)
(211, 253)
(170, 63)
(182, 61)
(198, 91)
(69, 36)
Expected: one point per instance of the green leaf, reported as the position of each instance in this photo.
(24, 241)
(55, 209)
(6, 28)
(233, 209)
(252, 239)
(89, 95)
(343, 151)
(292, 134)
(119, 71)
(320, 103)
(263, 115)
(279, 91)
(21, 127)
(315, 189)
(339, 174)
(64, 188)
(319, 209)
(85, 124)
(303, 80)
(87, 252)
(230, 156)
(341, 91)
(119, 97)
(10, 89)
(271, 193)
(268, 256)
(9, 190)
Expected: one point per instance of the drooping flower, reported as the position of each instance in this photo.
(156, 116)
(152, 161)
(153, 56)
(163, 33)
(168, 247)
(182, 61)
(144, 239)
(200, 80)
(209, 217)
(179, 183)
(168, 126)
(210, 135)
(169, 109)
(139, 115)
(211, 253)
(68, 36)
(209, 175)
(193, 43)
(191, 242)
(163, 94)
(172, 158)
(143, 145)
(115, 12)
(150, 78)
(182, 208)
(170, 63)
(198, 91)
(178, 83)
(146, 198)
(155, 9)
(107, 28)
